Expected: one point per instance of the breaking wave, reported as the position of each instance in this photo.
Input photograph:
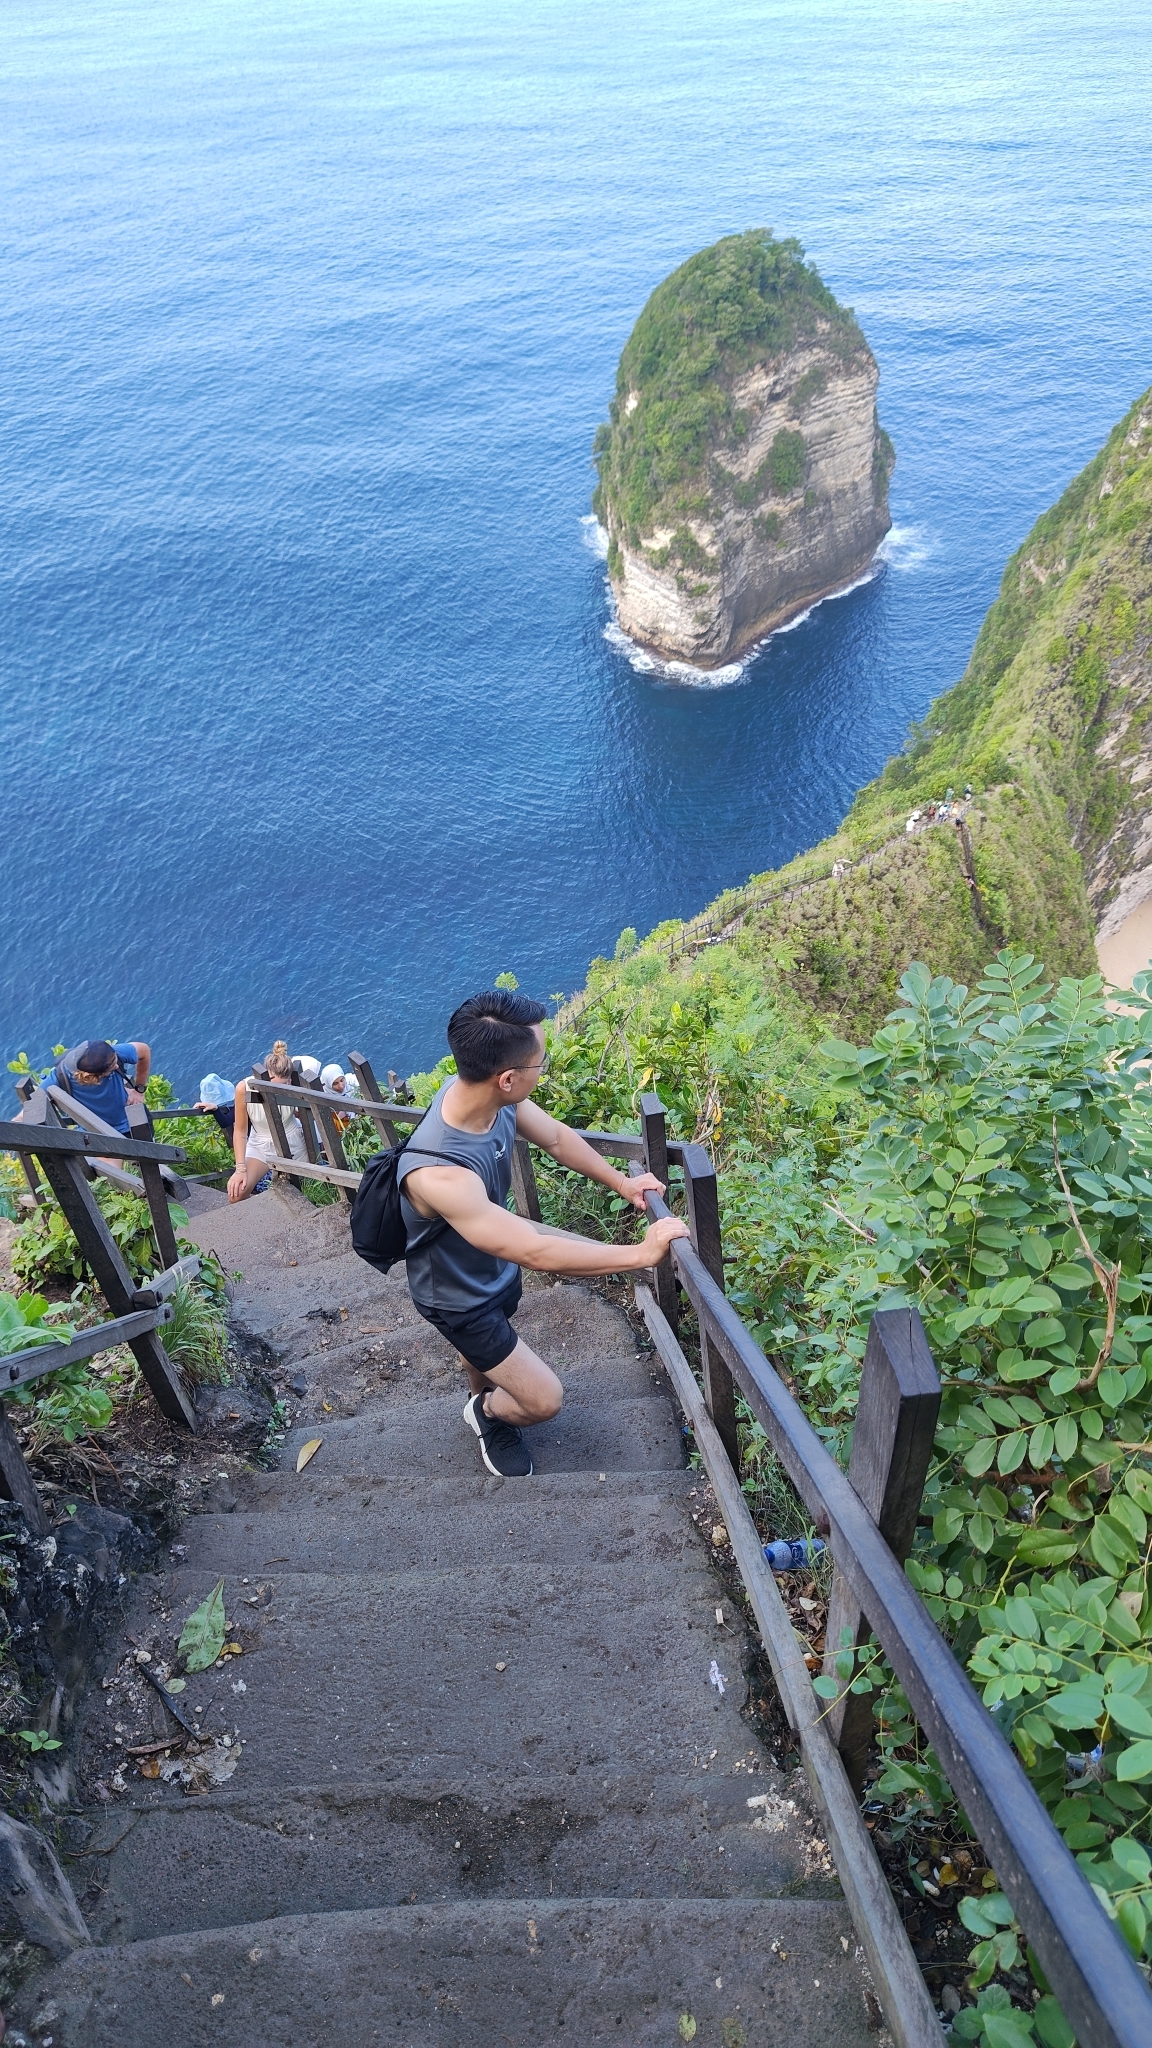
(906, 547)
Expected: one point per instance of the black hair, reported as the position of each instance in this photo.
(493, 1031)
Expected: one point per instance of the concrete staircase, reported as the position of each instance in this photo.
(488, 1789)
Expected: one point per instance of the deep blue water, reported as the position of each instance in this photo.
(310, 725)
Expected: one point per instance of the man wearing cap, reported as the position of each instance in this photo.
(106, 1077)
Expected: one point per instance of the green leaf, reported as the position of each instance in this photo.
(1135, 1763)
(826, 1687)
(1128, 1713)
(1133, 1859)
(979, 1458)
(1133, 1924)
(1063, 1381)
(1051, 2025)
(1110, 1387)
(1070, 1278)
(202, 1637)
(1011, 1452)
(981, 1531)
(1040, 1446)
(1046, 1547)
(687, 2027)
(1066, 1437)
(1043, 1330)
(1004, 2031)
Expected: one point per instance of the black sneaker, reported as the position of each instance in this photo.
(501, 1445)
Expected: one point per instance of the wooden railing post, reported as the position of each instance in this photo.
(524, 1190)
(654, 1131)
(704, 1223)
(64, 1173)
(25, 1089)
(369, 1085)
(370, 1091)
(896, 1413)
(271, 1110)
(154, 1190)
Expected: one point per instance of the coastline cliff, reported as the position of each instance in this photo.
(743, 470)
(1050, 727)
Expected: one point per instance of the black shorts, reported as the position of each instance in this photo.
(484, 1335)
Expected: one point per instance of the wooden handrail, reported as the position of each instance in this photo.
(1083, 1955)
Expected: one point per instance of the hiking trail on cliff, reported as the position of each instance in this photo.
(477, 1781)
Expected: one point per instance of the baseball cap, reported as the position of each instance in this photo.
(96, 1057)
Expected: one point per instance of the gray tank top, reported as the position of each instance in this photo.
(444, 1270)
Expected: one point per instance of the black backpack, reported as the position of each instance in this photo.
(375, 1218)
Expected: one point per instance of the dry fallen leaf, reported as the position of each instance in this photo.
(308, 1451)
(719, 1535)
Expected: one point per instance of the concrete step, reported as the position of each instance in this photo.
(318, 1521)
(388, 1676)
(229, 1856)
(634, 1435)
(533, 1974)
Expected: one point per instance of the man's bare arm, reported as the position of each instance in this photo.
(568, 1148)
(457, 1195)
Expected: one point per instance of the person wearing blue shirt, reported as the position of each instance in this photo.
(106, 1077)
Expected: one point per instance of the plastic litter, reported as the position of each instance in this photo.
(789, 1557)
(716, 1677)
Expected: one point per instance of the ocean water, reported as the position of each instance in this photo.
(311, 721)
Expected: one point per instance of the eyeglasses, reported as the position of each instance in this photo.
(540, 1066)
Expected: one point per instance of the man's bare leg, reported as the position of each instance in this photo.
(521, 1389)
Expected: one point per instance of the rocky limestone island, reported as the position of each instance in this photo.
(743, 472)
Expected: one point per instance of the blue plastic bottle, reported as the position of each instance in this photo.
(789, 1557)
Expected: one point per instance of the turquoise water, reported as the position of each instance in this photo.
(310, 719)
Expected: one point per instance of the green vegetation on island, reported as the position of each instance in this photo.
(745, 300)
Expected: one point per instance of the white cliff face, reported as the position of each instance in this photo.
(786, 524)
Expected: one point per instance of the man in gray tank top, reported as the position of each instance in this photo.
(466, 1249)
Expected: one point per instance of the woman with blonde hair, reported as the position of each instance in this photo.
(252, 1141)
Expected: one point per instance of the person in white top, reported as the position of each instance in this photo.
(252, 1141)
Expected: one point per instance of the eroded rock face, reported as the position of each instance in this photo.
(797, 506)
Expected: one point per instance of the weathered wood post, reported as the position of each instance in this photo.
(525, 1193)
(139, 1127)
(25, 1089)
(333, 1144)
(896, 1416)
(271, 1110)
(704, 1223)
(369, 1085)
(654, 1131)
(16, 1481)
(370, 1092)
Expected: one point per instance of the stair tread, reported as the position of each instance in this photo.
(207, 1862)
(535, 1973)
(634, 1433)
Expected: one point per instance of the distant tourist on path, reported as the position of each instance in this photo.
(465, 1280)
(252, 1141)
(106, 1077)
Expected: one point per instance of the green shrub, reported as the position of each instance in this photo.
(786, 461)
(1002, 1182)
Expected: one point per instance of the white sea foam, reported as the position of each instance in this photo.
(906, 547)
(682, 672)
(594, 536)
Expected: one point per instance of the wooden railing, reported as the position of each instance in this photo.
(69, 1160)
(869, 1515)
